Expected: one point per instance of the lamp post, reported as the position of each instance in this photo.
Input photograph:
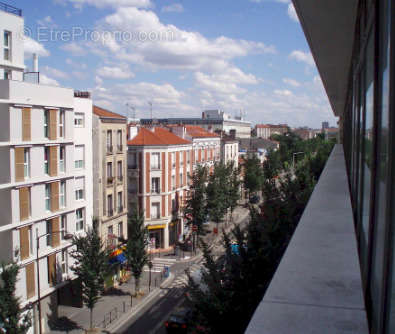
(293, 158)
(67, 236)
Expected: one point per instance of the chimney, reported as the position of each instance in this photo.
(35, 62)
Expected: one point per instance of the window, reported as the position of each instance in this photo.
(26, 163)
(155, 182)
(7, 45)
(181, 179)
(62, 153)
(155, 213)
(79, 157)
(173, 182)
(120, 230)
(110, 230)
(48, 197)
(109, 141)
(181, 158)
(30, 240)
(79, 120)
(7, 75)
(155, 160)
(119, 170)
(64, 261)
(46, 125)
(110, 210)
(63, 226)
(109, 173)
(62, 194)
(49, 232)
(196, 155)
(61, 124)
(46, 160)
(188, 157)
(79, 221)
(173, 159)
(133, 160)
(79, 188)
(120, 202)
(119, 140)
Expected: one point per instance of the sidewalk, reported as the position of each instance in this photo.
(115, 306)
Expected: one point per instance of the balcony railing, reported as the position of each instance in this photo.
(120, 178)
(109, 149)
(10, 9)
(110, 212)
(110, 181)
(120, 208)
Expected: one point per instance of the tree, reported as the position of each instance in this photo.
(253, 174)
(234, 188)
(91, 266)
(136, 247)
(194, 210)
(12, 319)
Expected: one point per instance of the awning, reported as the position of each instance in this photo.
(156, 227)
(117, 256)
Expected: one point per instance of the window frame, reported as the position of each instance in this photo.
(7, 47)
(79, 221)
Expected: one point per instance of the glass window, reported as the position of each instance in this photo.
(155, 213)
(49, 232)
(173, 182)
(173, 159)
(109, 141)
(61, 124)
(181, 158)
(46, 120)
(7, 45)
(62, 153)
(63, 226)
(79, 153)
(110, 211)
(62, 194)
(155, 182)
(155, 160)
(120, 201)
(120, 230)
(64, 261)
(26, 163)
(79, 221)
(79, 120)
(48, 197)
(79, 185)
(109, 169)
(46, 160)
(119, 140)
(120, 170)
(181, 178)
(133, 160)
(7, 75)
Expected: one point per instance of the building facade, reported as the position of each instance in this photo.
(158, 166)
(46, 159)
(230, 151)
(265, 131)
(110, 171)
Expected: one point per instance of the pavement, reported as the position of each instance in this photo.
(116, 307)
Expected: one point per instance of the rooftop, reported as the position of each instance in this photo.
(198, 132)
(106, 113)
(155, 137)
(10, 9)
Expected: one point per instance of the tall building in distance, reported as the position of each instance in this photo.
(265, 131)
(46, 160)
(110, 171)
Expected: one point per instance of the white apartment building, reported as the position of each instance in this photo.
(230, 151)
(158, 166)
(45, 179)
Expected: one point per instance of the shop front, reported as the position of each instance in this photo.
(156, 236)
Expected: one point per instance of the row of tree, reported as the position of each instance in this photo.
(212, 195)
(91, 265)
(231, 288)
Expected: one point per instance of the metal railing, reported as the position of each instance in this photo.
(110, 212)
(31, 77)
(119, 148)
(10, 9)
(120, 208)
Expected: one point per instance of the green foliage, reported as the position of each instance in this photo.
(233, 191)
(136, 247)
(91, 266)
(11, 318)
(253, 174)
(195, 208)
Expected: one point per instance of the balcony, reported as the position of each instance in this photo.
(317, 285)
(120, 208)
(10, 9)
(110, 181)
(110, 212)
(110, 149)
(120, 178)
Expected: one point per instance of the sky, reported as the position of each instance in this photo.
(246, 57)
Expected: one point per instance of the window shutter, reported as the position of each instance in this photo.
(24, 242)
(53, 160)
(26, 124)
(30, 281)
(19, 161)
(52, 269)
(52, 124)
(54, 196)
(55, 232)
(24, 203)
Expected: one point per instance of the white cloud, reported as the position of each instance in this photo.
(53, 72)
(47, 22)
(283, 92)
(175, 7)
(76, 64)
(304, 57)
(74, 49)
(112, 3)
(292, 12)
(47, 80)
(291, 82)
(115, 72)
(31, 46)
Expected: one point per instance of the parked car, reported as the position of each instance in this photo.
(179, 321)
(254, 199)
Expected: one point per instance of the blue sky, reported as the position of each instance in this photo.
(182, 55)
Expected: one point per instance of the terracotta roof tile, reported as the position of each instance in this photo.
(106, 113)
(159, 136)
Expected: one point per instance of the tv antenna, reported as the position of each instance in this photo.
(129, 106)
(150, 105)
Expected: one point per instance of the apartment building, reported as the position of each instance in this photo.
(45, 161)
(109, 171)
(206, 146)
(230, 151)
(265, 131)
(158, 166)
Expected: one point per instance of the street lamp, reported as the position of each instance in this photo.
(67, 236)
(293, 158)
